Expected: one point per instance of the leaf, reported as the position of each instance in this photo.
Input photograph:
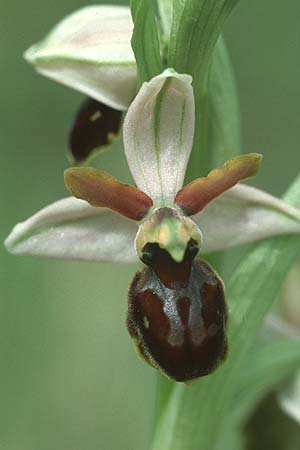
(221, 112)
(196, 27)
(165, 8)
(266, 366)
(164, 387)
(145, 40)
(195, 416)
(217, 136)
(233, 439)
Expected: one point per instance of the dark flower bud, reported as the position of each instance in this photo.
(94, 128)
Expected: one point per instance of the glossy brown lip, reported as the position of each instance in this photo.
(178, 317)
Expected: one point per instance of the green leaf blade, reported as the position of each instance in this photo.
(218, 131)
(145, 40)
(224, 127)
(267, 365)
(196, 27)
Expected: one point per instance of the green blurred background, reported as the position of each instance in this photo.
(69, 378)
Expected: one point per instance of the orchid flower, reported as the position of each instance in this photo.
(176, 310)
(90, 51)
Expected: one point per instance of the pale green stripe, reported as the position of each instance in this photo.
(64, 58)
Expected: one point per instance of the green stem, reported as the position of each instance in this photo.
(164, 388)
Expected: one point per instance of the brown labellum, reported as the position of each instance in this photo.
(94, 128)
(177, 314)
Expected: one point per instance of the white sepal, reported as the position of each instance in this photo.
(244, 214)
(90, 51)
(72, 229)
(158, 135)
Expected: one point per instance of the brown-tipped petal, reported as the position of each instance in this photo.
(101, 189)
(94, 128)
(193, 197)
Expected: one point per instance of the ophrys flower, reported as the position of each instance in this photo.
(177, 312)
(90, 51)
